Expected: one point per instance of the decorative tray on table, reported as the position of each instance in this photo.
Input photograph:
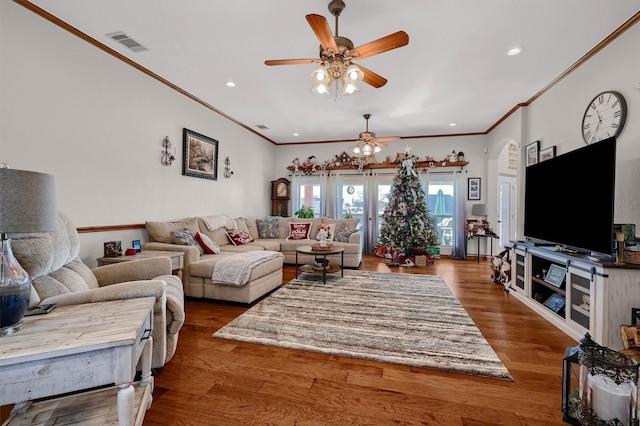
(319, 247)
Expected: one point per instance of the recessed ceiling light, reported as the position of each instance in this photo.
(452, 124)
(296, 134)
(230, 84)
(515, 50)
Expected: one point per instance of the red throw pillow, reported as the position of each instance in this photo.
(299, 230)
(208, 245)
(240, 238)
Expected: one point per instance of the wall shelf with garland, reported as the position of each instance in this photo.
(344, 161)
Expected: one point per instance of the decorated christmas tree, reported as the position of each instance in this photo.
(406, 224)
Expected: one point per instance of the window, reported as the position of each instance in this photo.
(440, 201)
(310, 196)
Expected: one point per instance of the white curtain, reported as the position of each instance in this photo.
(333, 196)
(460, 217)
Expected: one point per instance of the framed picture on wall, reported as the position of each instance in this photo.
(532, 152)
(547, 153)
(473, 188)
(200, 156)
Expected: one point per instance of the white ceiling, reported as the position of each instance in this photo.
(454, 69)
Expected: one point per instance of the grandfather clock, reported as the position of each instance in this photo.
(280, 195)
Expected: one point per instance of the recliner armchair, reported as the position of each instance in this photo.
(59, 276)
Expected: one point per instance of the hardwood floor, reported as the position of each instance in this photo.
(216, 382)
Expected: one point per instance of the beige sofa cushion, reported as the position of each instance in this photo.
(161, 231)
(219, 235)
(283, 227)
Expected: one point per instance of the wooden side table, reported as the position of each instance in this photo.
(75, 348)
(177, 259)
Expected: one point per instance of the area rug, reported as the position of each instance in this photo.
(405, 319)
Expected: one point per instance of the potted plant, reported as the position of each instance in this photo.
(305, 212)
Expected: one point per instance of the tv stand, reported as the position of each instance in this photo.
(594, 297)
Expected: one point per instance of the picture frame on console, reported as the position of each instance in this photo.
(473, 188)
(547, 153)
(555, 302)
(200, 156)
(532, 153)
(555, 275)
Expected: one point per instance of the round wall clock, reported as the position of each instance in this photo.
(604, 117)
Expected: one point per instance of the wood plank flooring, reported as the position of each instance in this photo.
(216, 382)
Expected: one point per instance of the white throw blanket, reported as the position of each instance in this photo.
(236, 269)
(220, 221)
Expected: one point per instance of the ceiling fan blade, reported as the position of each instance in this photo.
(388, 139)
(321, 28)
(390, 42)
(290, 61)
(372, 78)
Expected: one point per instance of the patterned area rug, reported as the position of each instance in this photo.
(397, 318)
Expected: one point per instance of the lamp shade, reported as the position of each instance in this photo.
(27, 201)
(479, 210)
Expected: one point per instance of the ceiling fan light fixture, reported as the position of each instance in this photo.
(350, 89)
(321, 89)
(320, 75)
(353, 74)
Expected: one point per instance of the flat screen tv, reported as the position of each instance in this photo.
(569, 199)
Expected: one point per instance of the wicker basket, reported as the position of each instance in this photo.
(632, 256)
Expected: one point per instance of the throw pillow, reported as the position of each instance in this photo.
(240, 238)
(208, 245)
(343, 233)
(299, 230)
(329, 229)
(185, 238)
(268, 228)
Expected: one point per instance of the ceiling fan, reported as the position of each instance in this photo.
(337, 54)
(368, 144)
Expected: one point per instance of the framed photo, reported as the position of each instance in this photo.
(473, 188)
(555, 275)
(136, 245)
(200, 156)
(532, 152)
(555, 303)
(547, 153)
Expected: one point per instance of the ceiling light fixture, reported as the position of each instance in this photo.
(335, 65)
(230, 84)
(368, 144)
(515, 51)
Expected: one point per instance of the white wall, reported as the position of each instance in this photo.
(97, 124)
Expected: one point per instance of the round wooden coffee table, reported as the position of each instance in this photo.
(324, 269)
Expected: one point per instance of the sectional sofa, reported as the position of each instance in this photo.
(258, 234)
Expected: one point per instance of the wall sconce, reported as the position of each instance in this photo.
(228, 170)
(168, 153)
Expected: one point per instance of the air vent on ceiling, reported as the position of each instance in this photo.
(261, 126)
(127, 41)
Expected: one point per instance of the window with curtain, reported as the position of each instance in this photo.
(365, 196)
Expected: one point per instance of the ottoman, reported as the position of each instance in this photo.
(263, 278)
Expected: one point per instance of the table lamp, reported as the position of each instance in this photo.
(27, 204)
